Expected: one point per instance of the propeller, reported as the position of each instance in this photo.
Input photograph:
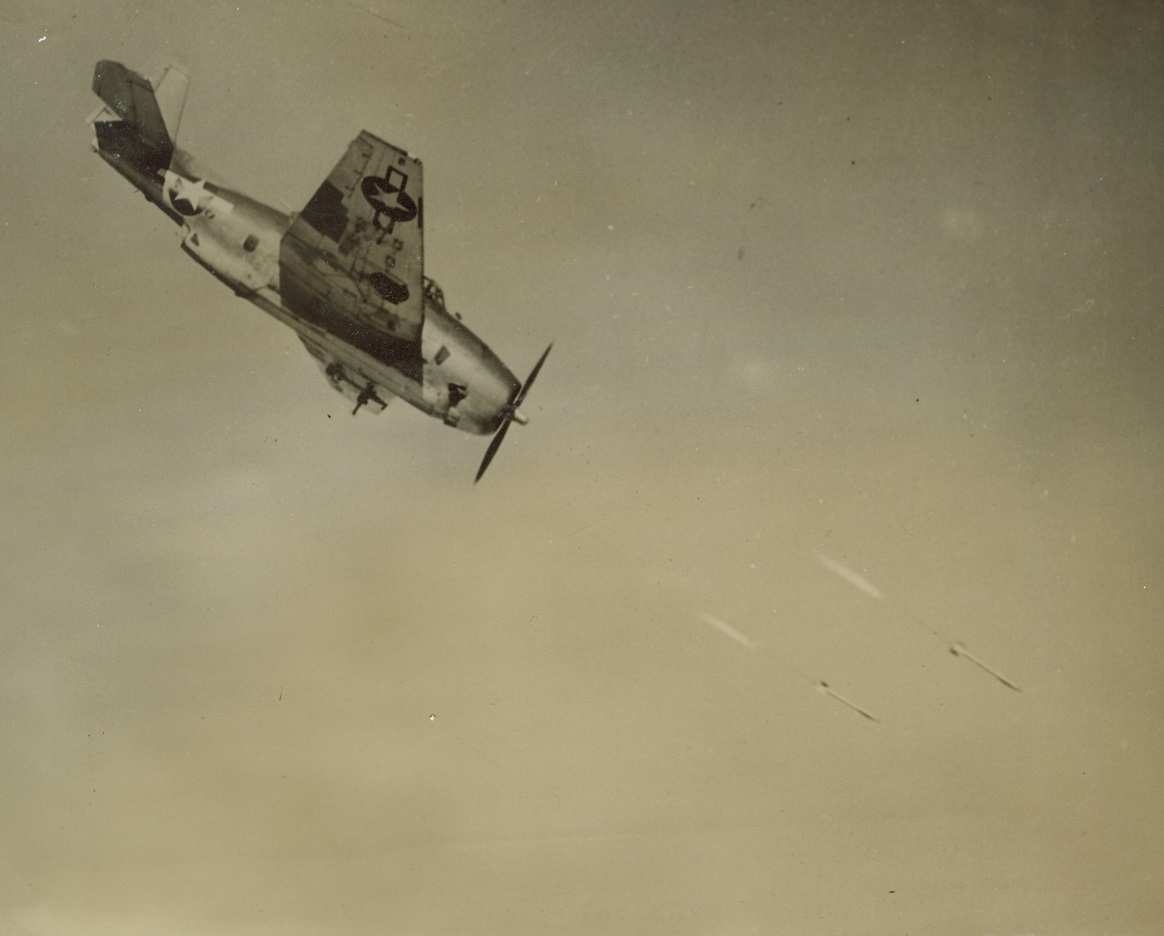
(509, 414)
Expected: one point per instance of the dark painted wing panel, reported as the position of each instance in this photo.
(326, 213)
(326, 299)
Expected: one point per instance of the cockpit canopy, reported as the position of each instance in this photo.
(434, 294)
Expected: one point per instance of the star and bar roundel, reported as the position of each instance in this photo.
(388, 198)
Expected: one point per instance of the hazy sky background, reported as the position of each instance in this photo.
(878, 282)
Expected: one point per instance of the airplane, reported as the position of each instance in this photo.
(346, 272)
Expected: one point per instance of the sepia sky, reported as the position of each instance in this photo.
(858, 353)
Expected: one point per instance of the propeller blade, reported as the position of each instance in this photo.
(509, 413)
(532, 376)
(493, 447)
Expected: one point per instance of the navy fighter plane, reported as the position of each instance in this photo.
(346, 273)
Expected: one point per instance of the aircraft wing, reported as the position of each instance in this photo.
(352, 262)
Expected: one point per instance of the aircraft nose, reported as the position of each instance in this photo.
(496, 388)
(481, 388)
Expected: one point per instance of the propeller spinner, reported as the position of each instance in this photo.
(510, 414)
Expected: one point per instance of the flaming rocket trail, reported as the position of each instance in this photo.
(823, 687)
(956, 647)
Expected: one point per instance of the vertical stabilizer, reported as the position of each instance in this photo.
(133, 99)
(136, 130)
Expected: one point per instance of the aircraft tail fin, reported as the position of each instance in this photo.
(154, 111)
(139, 123)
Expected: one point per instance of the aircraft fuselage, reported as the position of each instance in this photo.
(237, 238)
